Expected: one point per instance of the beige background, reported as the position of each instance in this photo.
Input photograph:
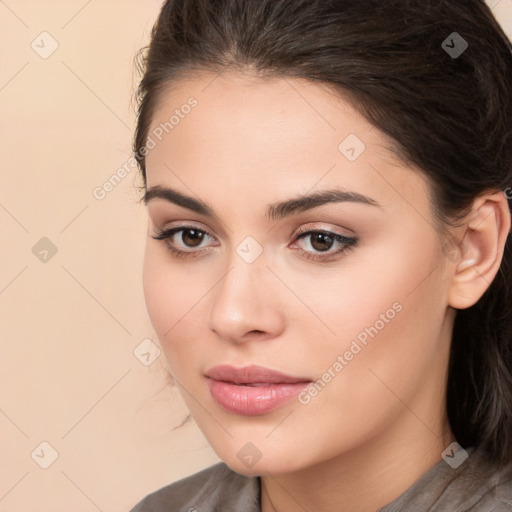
(72, 323)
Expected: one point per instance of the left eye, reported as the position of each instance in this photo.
(320, 241)
(323, 241)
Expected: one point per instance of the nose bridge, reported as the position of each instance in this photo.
(237, 289)
(242, 301)
(246, 265)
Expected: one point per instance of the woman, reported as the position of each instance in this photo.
(328, 257)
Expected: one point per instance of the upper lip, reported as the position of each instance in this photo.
(251, 375)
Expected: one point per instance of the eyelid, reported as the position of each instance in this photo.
(161, 215)
(170, 231)
(183, 224)
(314, 227)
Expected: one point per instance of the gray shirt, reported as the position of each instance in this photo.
(474, 486)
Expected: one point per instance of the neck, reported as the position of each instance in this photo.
(364, 478)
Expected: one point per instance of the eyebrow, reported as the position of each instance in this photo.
(275, 211)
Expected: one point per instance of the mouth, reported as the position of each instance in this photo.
(252, 390)
(251, 375)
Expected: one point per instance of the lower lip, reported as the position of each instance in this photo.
(253, 400)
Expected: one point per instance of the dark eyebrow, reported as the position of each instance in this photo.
(275, 211)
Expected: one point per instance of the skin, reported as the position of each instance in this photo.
(381, 422)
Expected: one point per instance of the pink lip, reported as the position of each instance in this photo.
(252, 390)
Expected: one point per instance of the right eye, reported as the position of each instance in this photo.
(191, 236)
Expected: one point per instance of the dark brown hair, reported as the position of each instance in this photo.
(448, 114)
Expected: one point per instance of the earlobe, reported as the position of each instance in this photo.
(483, 242)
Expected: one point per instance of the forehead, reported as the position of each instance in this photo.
(274, 112)
(278, 136)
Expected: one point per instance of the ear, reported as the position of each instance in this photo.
(485, 233)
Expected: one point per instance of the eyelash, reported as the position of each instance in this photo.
(347, 242)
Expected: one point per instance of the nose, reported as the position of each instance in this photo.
(246, 304)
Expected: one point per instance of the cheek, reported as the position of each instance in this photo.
(169, 292)
(176, 296)
(383, 308)
(388, 314)
(366, 285)
(328, 309)
(155, 292)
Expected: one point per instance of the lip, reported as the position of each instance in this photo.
(252, 390)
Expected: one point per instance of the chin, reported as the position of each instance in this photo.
(261, 468)
(274, 464)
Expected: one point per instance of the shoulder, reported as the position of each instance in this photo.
(480, 487)
(495, 494)
(217, 487)
(475, 484)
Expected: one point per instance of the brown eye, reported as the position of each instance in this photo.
(189, 237)
(321, 241)
(192, 237)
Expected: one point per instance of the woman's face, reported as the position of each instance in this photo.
(363, 316)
